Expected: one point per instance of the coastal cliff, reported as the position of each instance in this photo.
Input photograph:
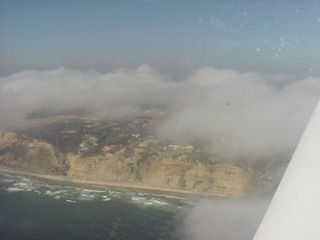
(138, 162)
(24, 153)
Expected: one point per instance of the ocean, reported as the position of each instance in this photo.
(36, 209)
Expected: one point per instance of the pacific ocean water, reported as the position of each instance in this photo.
(35, 209)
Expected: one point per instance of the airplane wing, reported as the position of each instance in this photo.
(294, 212)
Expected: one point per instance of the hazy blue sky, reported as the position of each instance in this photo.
(263, 36)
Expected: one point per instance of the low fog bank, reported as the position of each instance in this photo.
(223, 219)
(235, 115)
(243, 115)
(115, 94)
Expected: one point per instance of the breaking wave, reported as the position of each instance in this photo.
(74, 194)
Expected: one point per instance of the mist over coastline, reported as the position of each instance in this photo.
(237, 115)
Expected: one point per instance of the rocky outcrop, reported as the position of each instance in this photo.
(134, 163)
(23, 153)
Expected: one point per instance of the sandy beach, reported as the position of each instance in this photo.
(132, 187)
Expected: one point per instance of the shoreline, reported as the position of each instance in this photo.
(120, 186)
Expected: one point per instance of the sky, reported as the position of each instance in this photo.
(273, 37)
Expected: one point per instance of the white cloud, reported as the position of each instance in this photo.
(223, 219)
(238, 115)
(242, 115)
(113, 94)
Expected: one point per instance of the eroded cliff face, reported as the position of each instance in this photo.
(220, 179)
(23, 153)
(143, 163)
